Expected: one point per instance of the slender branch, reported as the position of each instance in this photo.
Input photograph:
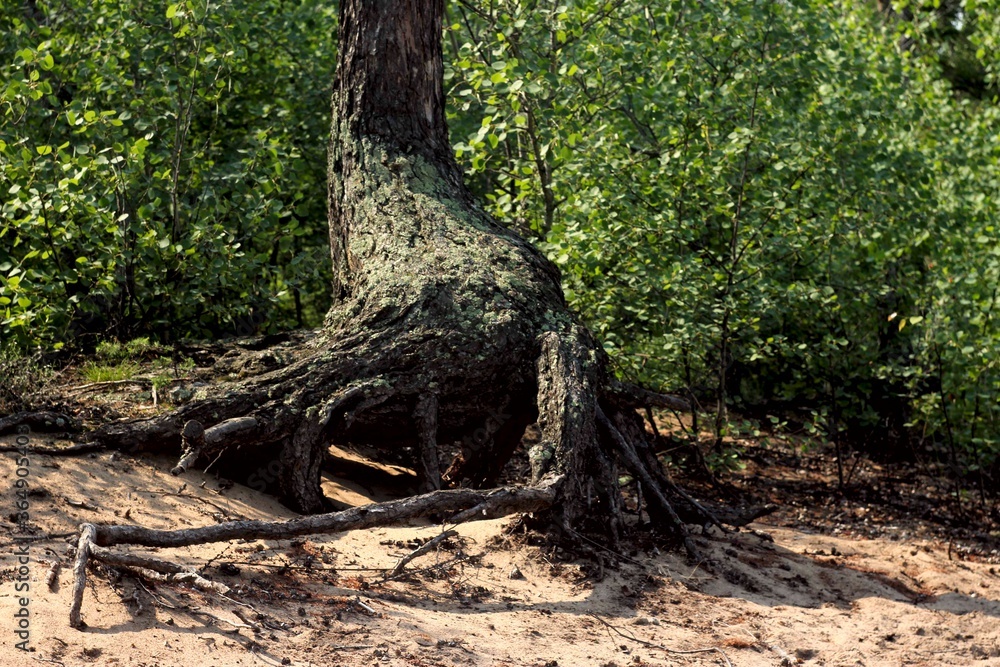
(635, 465)
(428, 546)
(711, 649)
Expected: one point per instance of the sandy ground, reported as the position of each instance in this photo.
(485, 598)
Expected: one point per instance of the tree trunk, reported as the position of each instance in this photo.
(447, 327)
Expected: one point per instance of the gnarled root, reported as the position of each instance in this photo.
(467, 503)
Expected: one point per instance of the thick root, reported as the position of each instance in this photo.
(469, 504)
(42, 421)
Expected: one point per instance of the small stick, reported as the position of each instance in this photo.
(92, 386)
(242, 604)
(195, 610)
(420, 551)
(87, 533)
(219, 619)
(156, 600)
(710, 649)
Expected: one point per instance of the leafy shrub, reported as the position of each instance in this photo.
(162, 171)
(776, 206)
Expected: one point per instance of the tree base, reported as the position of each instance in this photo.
(449, 330)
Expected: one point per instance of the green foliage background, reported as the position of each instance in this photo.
(161, 167)
(783, 207)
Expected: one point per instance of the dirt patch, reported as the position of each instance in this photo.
(799, 590)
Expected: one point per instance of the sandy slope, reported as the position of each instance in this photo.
(810, 598)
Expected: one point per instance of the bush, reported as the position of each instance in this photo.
(163, 171)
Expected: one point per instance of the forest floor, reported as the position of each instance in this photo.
(890, 572)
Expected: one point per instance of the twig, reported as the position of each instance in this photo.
(173, 572)
(94, 386)
(242, 604)
(196, 610)
(176, 494)
(219, 619)
(156, 600)
(670, 651)
(420, 551)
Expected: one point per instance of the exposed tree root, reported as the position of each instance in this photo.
(635, 465)
(94, 540)
(72, 450)
(668, 651)
(447, 328)
(173, 572)
(44, 421)
(638, 397)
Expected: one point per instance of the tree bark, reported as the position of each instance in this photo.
(447, 327)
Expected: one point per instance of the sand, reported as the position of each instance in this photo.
(489, 597)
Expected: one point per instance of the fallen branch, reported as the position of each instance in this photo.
(491, 503)
(420, 551)
(175, 573)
